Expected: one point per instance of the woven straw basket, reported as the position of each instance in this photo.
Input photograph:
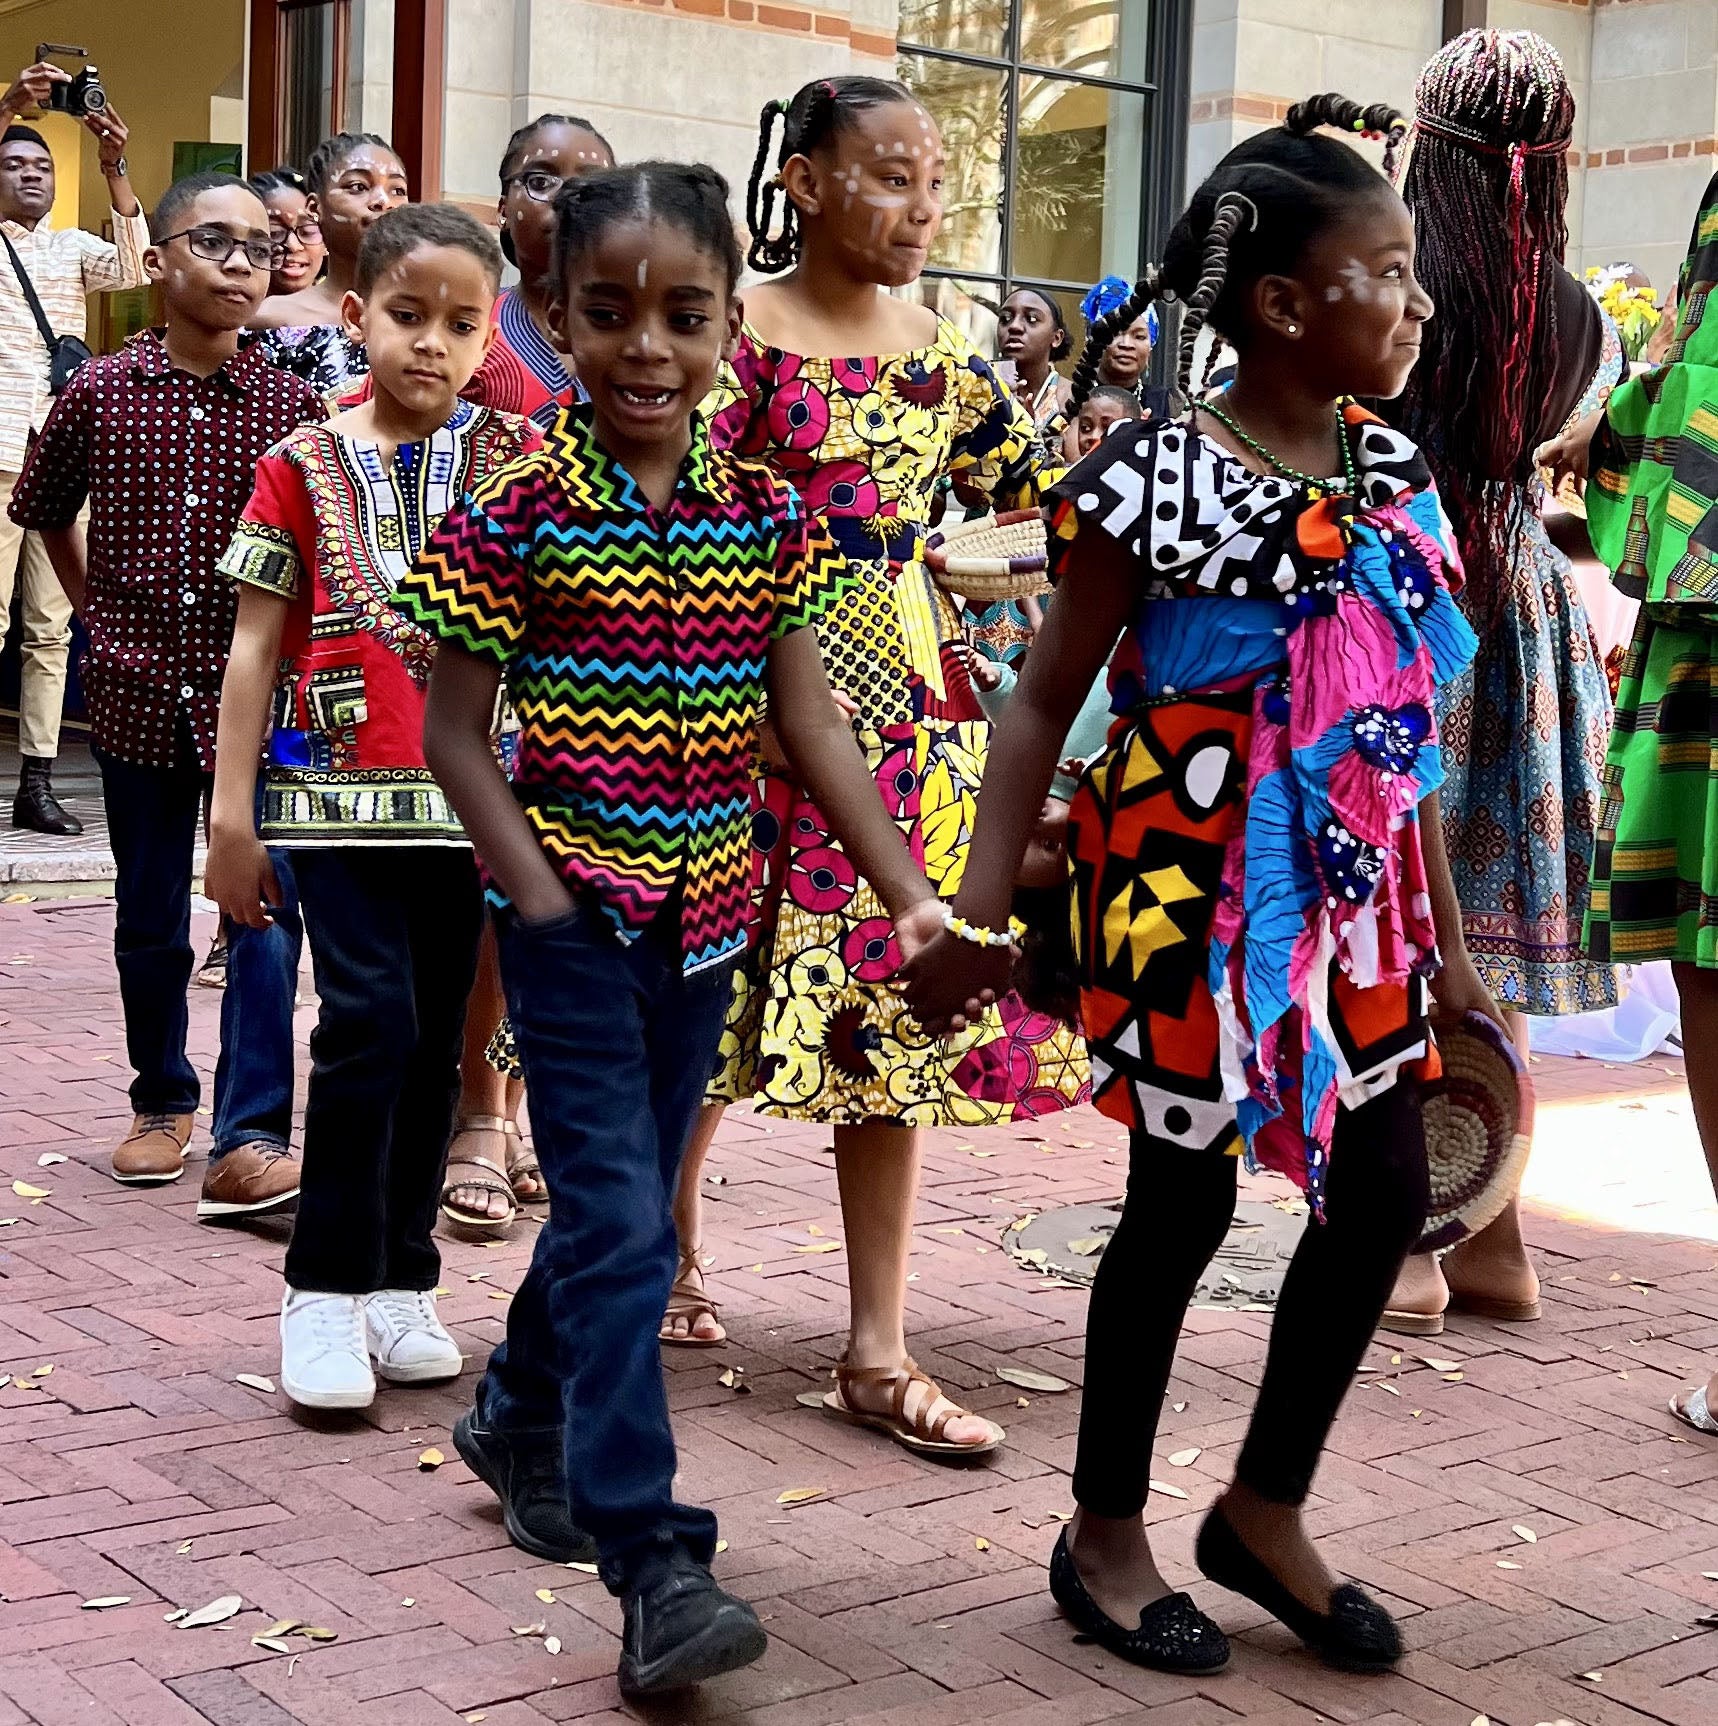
(991, 557)
(1479, 1128)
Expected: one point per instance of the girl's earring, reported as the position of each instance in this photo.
(1294, 329)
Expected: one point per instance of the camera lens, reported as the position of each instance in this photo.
(95, 99)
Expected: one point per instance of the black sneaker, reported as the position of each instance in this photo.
(525, 1474)
(681, 1629)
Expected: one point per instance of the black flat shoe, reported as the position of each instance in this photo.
(1172, 1635)
(1356, 1634)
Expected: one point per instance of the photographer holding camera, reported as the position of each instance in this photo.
(46, 275)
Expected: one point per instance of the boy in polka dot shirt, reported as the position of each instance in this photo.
(162, 439)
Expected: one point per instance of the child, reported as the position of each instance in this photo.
(384, 871)
(163, 438)
(635, 584)
(1108, 405)
(1251, 870)
(355, 179)
(865, 402)
(293, 228)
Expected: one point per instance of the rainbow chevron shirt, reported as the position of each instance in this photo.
(633, 642)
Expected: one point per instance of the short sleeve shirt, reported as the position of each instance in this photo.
(166, 461)
(634, 642)
(330, 528)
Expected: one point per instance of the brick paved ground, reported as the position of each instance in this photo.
(903, 1595)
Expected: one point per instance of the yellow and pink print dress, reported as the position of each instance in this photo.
(814, 1032)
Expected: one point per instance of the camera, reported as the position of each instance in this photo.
(85, 94)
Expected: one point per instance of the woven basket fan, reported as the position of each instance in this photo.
(991, 557)
(1479, 1128)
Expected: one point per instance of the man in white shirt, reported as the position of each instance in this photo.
(65, 266)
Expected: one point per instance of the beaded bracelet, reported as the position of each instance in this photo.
(962, 930)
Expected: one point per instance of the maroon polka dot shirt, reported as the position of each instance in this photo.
(167, 461)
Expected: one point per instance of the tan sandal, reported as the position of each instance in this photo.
(924, 1438)
(522, 1165)
(489, 1179)
(687, 1300)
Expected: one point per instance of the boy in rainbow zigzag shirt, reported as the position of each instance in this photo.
(638, 587)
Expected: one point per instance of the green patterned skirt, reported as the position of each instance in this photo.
(1655, 870)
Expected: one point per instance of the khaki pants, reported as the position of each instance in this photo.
(47, 633)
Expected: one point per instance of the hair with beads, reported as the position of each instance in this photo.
(687, 196)
(814, 116)
(1487, 183)
(1253, 216)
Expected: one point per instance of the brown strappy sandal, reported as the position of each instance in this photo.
(486, 1179)
(924, 1438)
(688, 1300)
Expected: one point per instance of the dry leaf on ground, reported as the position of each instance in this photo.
(254, 1380)
(25, 1191)
(272, 1643)
(799, 1495)
(214, 1613)
(1029, 1378)
(103, 1601)
(820, 1247)
(551, 1645)
(1167, 1490)
(430, 1460)
(1522, 1532)
(1185, 1458)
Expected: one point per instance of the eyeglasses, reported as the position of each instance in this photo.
(303, 233)
(216, 246)
(540, 185)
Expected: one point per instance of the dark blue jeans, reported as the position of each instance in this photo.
(153, 816)
(617, 1046)
(393, 937)
(253, 1080)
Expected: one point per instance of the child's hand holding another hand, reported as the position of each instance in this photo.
(240, 878)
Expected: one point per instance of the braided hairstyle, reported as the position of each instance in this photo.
(808, 122)
(279, 179)
(1252, 217)
(332, 154)
(1487, 183)
(513, 160)
(692, 197)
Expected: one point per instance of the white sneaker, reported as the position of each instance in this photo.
(323, 1361)
(411, 1345)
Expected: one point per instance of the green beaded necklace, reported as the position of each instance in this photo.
(1319, 487)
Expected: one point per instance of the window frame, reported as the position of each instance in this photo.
(1165, 89)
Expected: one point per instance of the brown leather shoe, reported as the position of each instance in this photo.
(153, 1152)
(250, 1180)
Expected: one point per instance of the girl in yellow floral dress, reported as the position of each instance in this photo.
(864, 402)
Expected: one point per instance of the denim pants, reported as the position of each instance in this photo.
(617, 1044)
(393, 938)
(153, 816)
(253, 1080)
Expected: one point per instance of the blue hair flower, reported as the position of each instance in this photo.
(1103, 298)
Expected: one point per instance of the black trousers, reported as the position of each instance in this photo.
(393, 935)
(1177, 1211)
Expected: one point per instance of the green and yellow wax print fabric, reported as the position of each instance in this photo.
(1652, 511)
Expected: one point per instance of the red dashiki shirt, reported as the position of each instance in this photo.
(333, 528)
(634, 641)
(166, 460)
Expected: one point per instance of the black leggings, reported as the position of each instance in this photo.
(1179, 1205)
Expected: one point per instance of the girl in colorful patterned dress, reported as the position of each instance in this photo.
(1259, 902)
(816, 1033)
(1519, 348)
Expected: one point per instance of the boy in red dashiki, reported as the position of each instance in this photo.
(384, 871)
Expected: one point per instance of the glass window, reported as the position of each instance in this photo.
(311, 76)
(1064, 125)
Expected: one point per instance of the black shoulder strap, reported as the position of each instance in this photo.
(29, 287)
